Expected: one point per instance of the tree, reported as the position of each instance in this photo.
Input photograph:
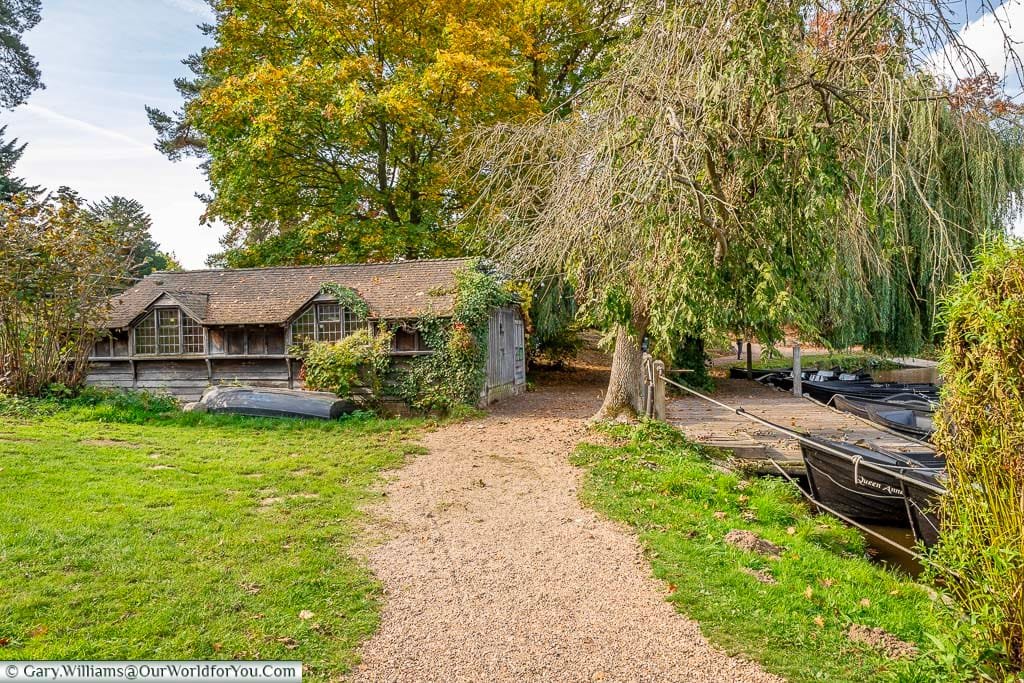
(57, 269)
(19, 71)
(10, 155)
(749, 165)
(132, 226)
(326, 127)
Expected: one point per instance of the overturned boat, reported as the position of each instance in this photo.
(270, 402)
(864, 484)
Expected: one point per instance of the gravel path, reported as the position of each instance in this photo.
(495, 572)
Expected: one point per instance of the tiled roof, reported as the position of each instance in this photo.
(268, 296)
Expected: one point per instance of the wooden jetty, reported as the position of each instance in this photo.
(752, 445)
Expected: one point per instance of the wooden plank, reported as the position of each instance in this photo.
(756, 445)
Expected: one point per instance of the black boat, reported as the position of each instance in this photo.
(921, 492)
(859, 406)
(783, 379)
(917, 424)
(824, 390)
(865, 484)
(757, 374)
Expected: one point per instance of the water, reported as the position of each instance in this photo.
(908, 375)
(884, 553)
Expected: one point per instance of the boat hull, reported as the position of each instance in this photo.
(856, 492)
(922, 509)
(267, 402)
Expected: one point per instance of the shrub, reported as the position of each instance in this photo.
(359, 360)
(981, 433)
(58, 267)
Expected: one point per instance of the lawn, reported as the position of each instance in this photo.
(127, 534)
(681, 505)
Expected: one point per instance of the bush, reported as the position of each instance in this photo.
(980, 430)
(359, 360)
(58, 267)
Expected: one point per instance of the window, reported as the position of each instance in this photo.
(191, 335)
(329, 322)
(304, 327)
(145, 335)
(167, 323)
(168, 331)
(325, 322)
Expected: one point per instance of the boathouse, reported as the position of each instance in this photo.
(181, 332)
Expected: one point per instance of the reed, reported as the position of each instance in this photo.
(981, 433)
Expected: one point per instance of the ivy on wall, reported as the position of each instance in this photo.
(454, 374)
(348, 298)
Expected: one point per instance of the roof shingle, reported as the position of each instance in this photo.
(269, 296)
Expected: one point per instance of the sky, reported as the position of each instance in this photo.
(104, 60)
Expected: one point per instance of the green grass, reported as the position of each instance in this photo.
(128, 534)
(825, 361)
(669, 492)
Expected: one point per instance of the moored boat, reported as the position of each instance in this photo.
(921, 491)
(917, 424)
(859, 406)
(865, 484)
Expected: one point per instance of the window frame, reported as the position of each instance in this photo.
(151, 323)
(346, 321)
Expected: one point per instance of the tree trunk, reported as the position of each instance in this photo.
(623, 395)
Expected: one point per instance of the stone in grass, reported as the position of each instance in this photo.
(760, 574)
(880, 639)
(749, 541)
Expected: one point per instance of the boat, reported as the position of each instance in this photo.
(757, 374)
(858, 406)
(865, 484)
(921, 492)
(271, 402)
(783, 379)
(914, 423)
(823, 388)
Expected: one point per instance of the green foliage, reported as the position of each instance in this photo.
(358, 360)
(348, 298)
(681, 505)
(10, 155)
(334, 145)
(133, 226)
(690, 355)
(752, 167)
(19, 71)
(189, 535)
(551, 320)
(58, 267)
(454, 374)
(980, 431)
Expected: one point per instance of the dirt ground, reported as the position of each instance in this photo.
(493, 571)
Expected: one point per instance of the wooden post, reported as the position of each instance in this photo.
(739, 349)
(646, 382)
(750, 363)
(659, 390)
(797, 387)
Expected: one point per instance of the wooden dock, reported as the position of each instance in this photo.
(752, 444)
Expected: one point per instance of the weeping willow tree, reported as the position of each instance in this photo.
(751, 165)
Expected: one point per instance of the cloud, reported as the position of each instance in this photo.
(197, 7)
(87, 127)
(986, 38)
